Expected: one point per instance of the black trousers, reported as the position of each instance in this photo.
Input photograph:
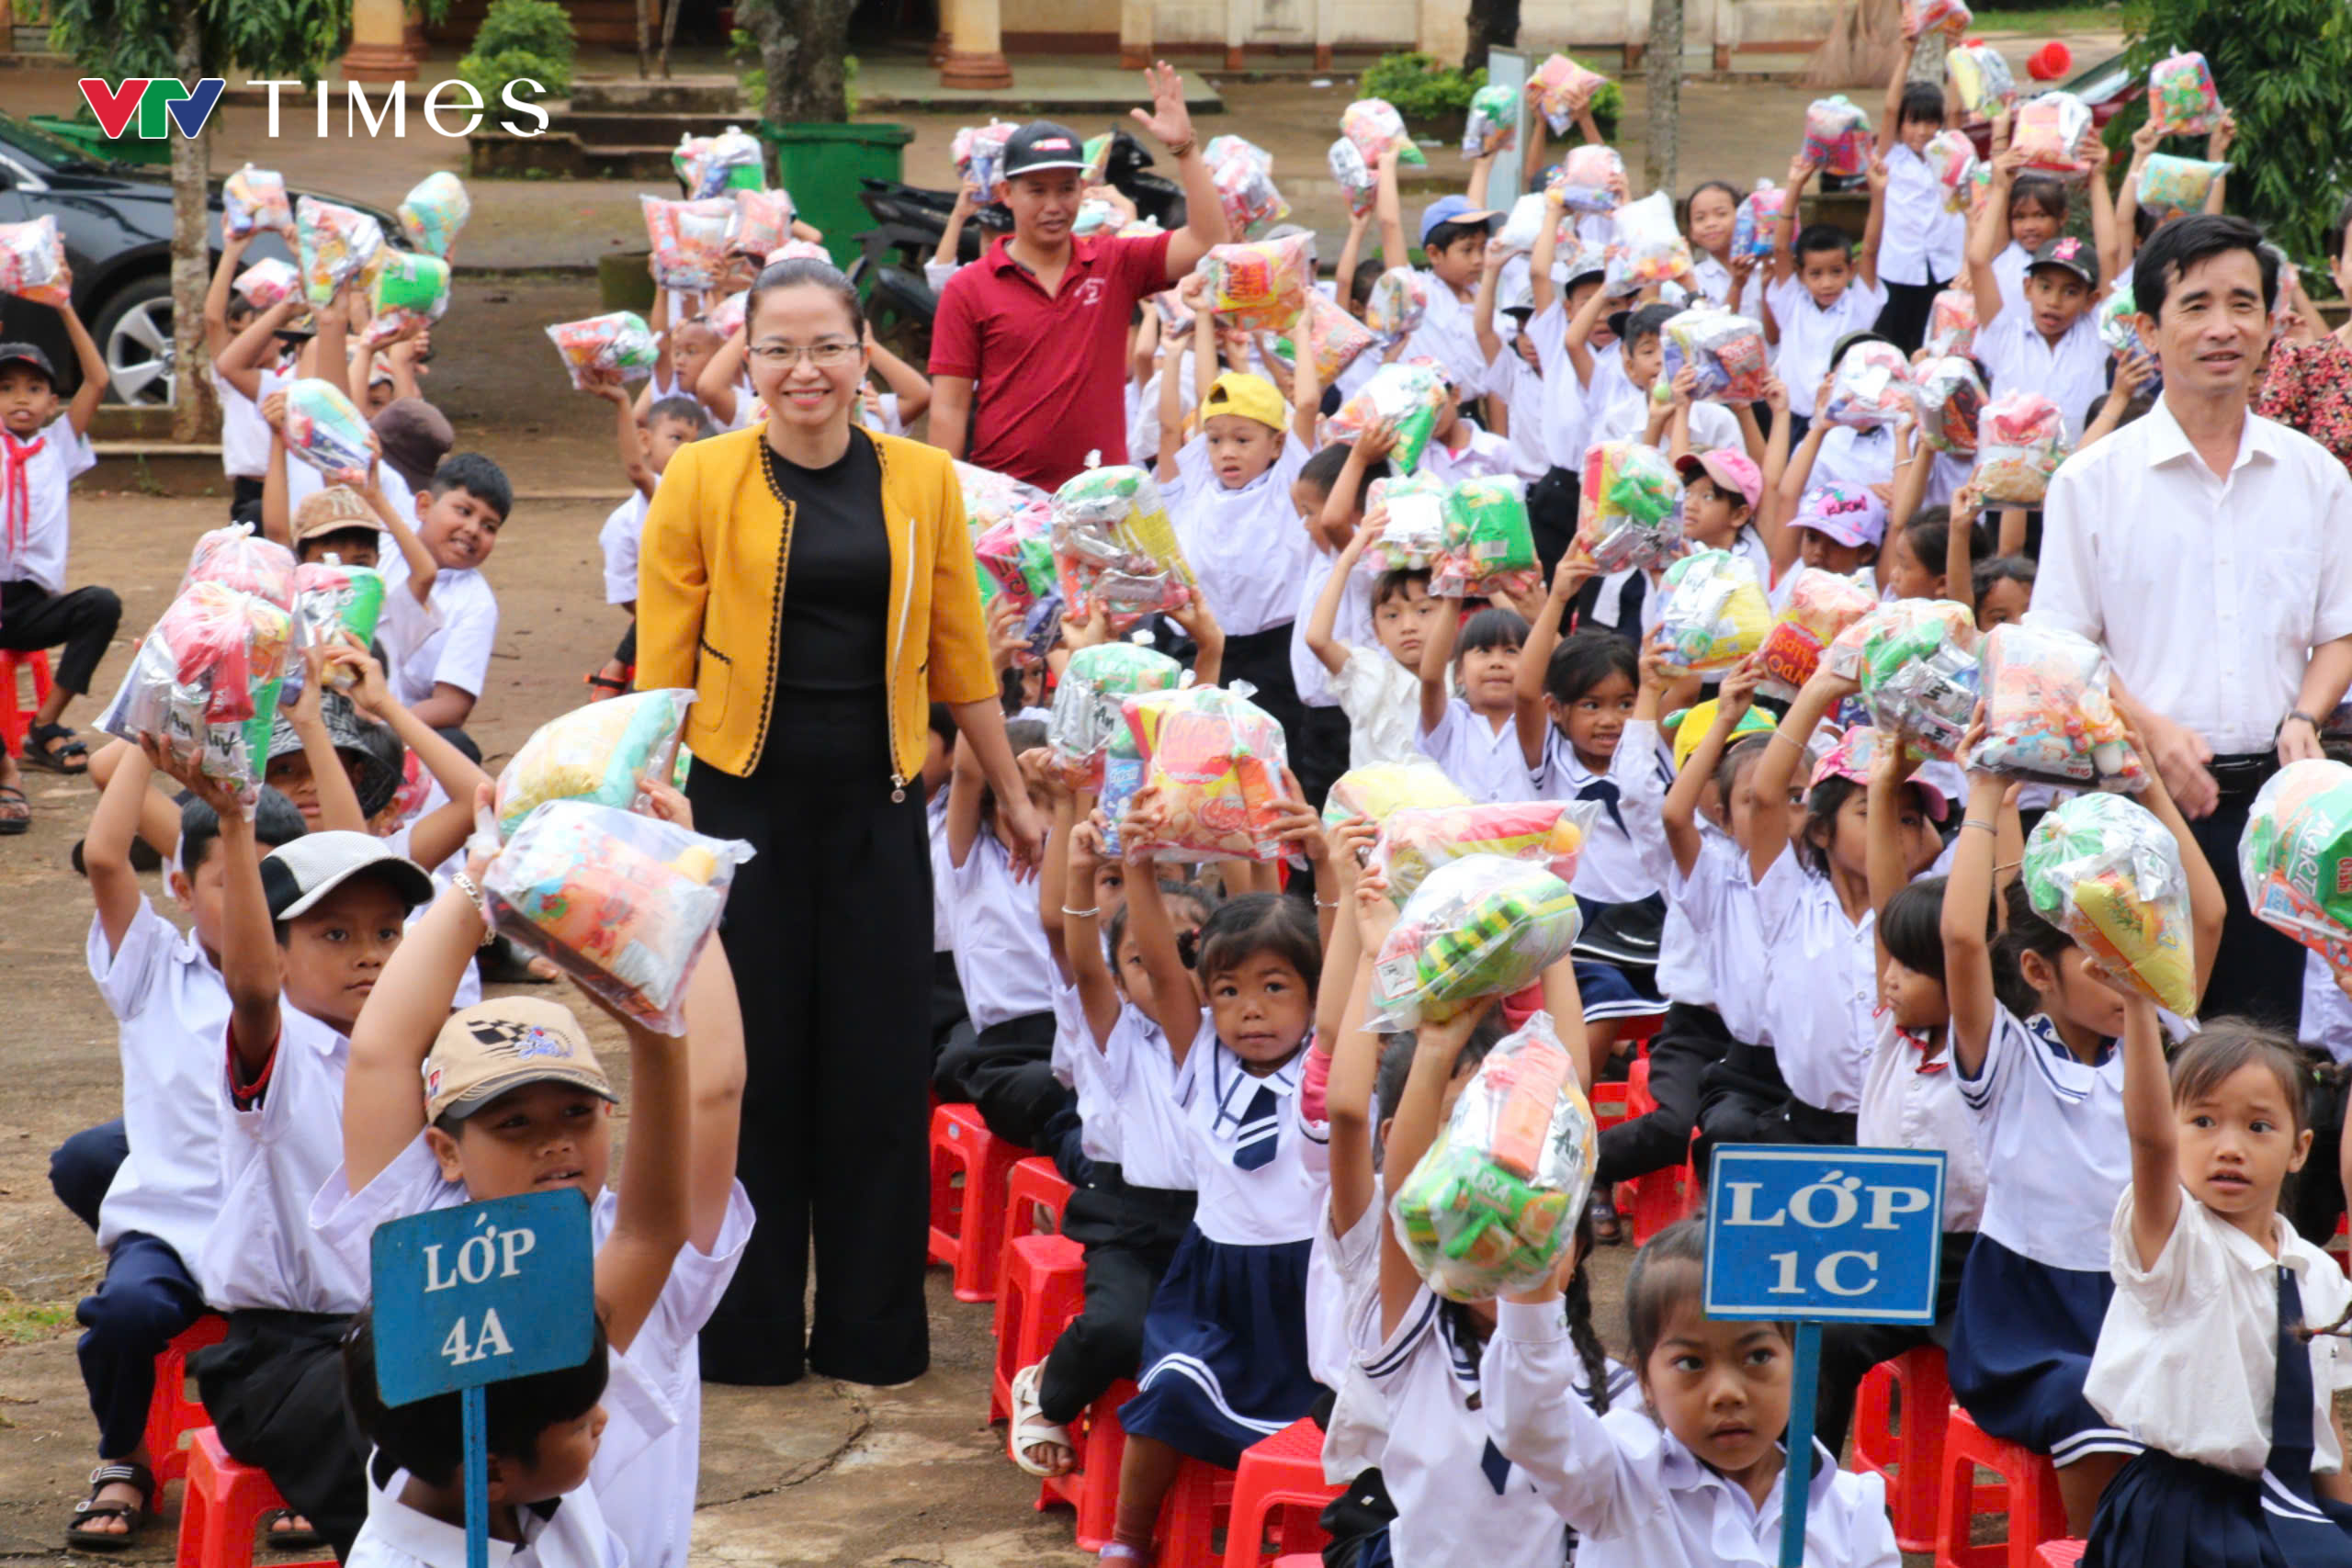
(83, 621)
(1904, 317)
(2314, 1199)
(1005, 1071)
(1129, 1234)
(2257, 972)
(829, 931)
(947, 1000)
(146, 1297)
(1691, 1040)
(244, 500)
(274, 1388)
(81, 1167)
(1848, 1350)
(1743, 1098)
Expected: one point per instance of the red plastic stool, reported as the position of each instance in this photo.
(1638, 1099)
(17, 720)
(1196, 1508)
(1093, 1487)
(2036, 1511)
(172, 1415)
(1034, 1197)
(1042, 1286)
(968, 1169)
(1909, 1455)
(2060, 1553)
(1609, 1105)
(224, 1508)
(1280, 1484)
(1659, 1199)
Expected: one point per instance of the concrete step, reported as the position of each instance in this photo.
(621, 128)
(697, 94)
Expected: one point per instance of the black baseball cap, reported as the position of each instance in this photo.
(1038, 146)
(2070, 253)
(1651, 318)
(1866, 334)
(28, 353)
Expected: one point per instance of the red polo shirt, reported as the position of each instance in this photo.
(1049, 373)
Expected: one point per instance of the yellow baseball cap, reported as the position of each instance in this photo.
(1691, 725)
(1251, 396)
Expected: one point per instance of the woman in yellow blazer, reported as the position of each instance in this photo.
(813, 585)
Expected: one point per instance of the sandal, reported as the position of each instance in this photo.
(51, 747)
(1120, 1551)
(134, 1516)
(605, 686)
(1608, 1229)
(16, 812)
(287, 1540)
(1030, 1428)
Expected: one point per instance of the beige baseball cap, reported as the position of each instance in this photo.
(497, 1045)
(332, 510)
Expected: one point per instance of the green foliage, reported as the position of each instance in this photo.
(521, 40)
(1420, 89)
(2288, 82)
(114, 38)
(744, 50)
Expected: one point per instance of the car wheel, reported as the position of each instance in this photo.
(134, 332)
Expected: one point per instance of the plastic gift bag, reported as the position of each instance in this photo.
(1633, 505)
(1399, 301)
(1379, 790)
(1981, 78)
(1481, 926)
(2295, 858)
(2103, 870)
(335, 245)
(1523, 224)
(976, 150)
(1094, 216)
(726, 318)
(432, 214)
(990, 498)
(1016, 554)
(32, 257)
(1489, 548)
(1650, 247)
(2048, 130)
(324, 428)
(1416, 841)
(1951, 17)
(1492, 109)
(411, 286)
(1873, 388)
(1951, 158)
(1262, 285)
(1758, 217)
(1494, 1203)
(2117, 328)
(689, 240)
(1917, 662)
(1557, 86)
(2177, 185)
(1951, 323)
(1836, 136)
(1728, 352)
(1375, 127)
(1715, 613)
(1217, 762)
(1087, 705)
(1409, 394)
(254, 198)
(1820, 604)
(2182, 100)
(1243, 174)
(1588, 179)
(1129, 754)
(1356, 180)
(1333, 337)
(714, 166)
(605, 753)
(2020, 441)
(622, 903)
(334, 604)
(1115, 548)
(237, 557)
(205, 682)
(1950, 396)
(268, 281)
(763, 221)
(1412, 538)
(2047, 713)
(615, 344)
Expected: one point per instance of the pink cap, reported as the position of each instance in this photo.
(1850, 759)
(1730, 471)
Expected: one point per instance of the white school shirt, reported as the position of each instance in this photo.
(1609, 867)
(1343, 1322)
(2206, 592)
(449, 640)
(1483, 456)
(2071, 372)
(37, 553)
(1276, 1202)
(1071, 1035)
(1808, 332)
(1141, 1076)
(1638, 1498)
(1352, 626)
(172, 1008)
(1449, 334)
(1859, 458)
(2187, 1359)
(245, 434)
(2327, 1016)
(1001, 958)
(1565, 409)
(261, 1251)
(1485, 763)
(1823, 970)
(648, 1495)
(1246, 545)
(1683, 972)
(1713, 280)
(942, 901)
(1143, 414)
(2008, 271)
(2055, 1150)
(1625, 416)
(1519, 386)
(619, 539)
(884, 416)
(1383, 702)
(1910, 1102)
(1922, 241)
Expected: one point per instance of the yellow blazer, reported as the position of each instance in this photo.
(710, 592)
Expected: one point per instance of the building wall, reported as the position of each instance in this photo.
(1545, 25)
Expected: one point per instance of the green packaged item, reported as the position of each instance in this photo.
(1377, 789)
(410, 280)
(606, 753)
(337, 604)
(2105, 871)
(1488, 547)
(1086, 711)
(1481, 926)
(2295, 858)
(1408, 395)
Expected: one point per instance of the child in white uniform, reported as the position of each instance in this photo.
(1472, 736)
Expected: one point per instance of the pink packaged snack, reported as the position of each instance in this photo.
(266, 282)
(1217, 762)
(1335, 337)
(1951, 158)
(1836, 136)
(254, 198)
(1243, 174)
(976, 150)
(1357, 182)
(1820, 605)
(1375, 127)
(1981, 78)
(1951, 17)
(1758, 216)
(2182, 100)
(689, 239)
(1950, 399)
(1558, 86)
(2048, 713)
(335, 245)
(1262, 285)
(237, 557)
(1588, 179)
(2048, 130)
(1873, 388)
(31, 256)
(615, 343)
(2020, 441)
(324, 428)
(762, 220)
(1951, 322)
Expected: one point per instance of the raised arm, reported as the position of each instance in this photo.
(1542, 290)
(1874, 227)
(1343, 278)
(1437, 665)
(629, 445)
(217, 335)
(913, 391)
(1784, 231)
(716, 385)
(86, 397)
(1412, 1127)
(654, 1216)
(1320, 638)
(1355, 1062)
(1988, 233)
(240, 359)
(1776, 774)
(2206, 904)
(2148, 1119)
(1482, 312)
(383, 1108)
(1388, 209)
(442, 831)
(1891, 768)
(1175, 999)
(1082, 926)
(1680, 813)
(1171, 122)
(1968, 901)
(1528, 711)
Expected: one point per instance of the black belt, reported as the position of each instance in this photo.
(2243, 773)
(1254, 645)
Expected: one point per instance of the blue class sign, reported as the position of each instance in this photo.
(1825, 1234)
(482, 1292)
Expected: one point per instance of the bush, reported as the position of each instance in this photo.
(1422, 90)
(521, 40)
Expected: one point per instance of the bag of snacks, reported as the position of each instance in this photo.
(1017, 556)
(1416, 841)
(411, 286)
(1981, 78)
(1481, 926)
(1379, 790)
(1758, 217)
(32, 257)
(1412, 538)
(337, 604)
(604, 753)
(1094, 216)
(1633, 505)
(620, 902)
(2182, 100)
(2048, 130)
(1588, 179)
(689, 240)
(266, 282)
(334, 244)
(432, 214)
(254, 198)
(1243, 174)
(324, 428)
(1357, 182)
(1087, 705)
(1397, 303)
(615, 344)
(1728, 352)
(237, 557)
(1375, 127)
(1262, 285)
(976, 150)
(1217, 761)
(2117, 329)
(1488, 545)
(2177, 185)
(1409, 394)
(1128, 755)
(1951, 158)
(726, 318)
(1873, 388)
(2047, 713)
(989, 497)
(763, 221)
(205, 682)
(1836, 136)
(1115, 548)
(2295, 858)
(1950, 396)
(1492, 108)
(1559, 86)
(1650, 247)
(1951, 17)
(1917, 662)
(1523, 224)
(1494, 1203)
(2103, 870)
(1819, 606)
(1951, 323)
(714, 166)
(1715, 613)
(2020, 441)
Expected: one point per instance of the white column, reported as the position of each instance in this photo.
(975, 48)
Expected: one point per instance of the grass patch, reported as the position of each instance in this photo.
(2049, 21)
(29, 1323)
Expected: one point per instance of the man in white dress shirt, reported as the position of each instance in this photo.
(2209, 552)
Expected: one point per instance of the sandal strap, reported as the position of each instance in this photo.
(128, 1471)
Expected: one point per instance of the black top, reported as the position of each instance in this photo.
(834, 633)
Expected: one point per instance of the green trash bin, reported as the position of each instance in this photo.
(820, 165)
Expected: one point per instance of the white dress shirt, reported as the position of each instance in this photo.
(1912, 1102)
(1922, 241)
(2071, 372)
(1383, 702)
(32, 545)
(1246, 544)
(2051, 1127)
(1823, 973)
(1808, 332)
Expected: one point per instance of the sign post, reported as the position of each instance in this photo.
(1811, 1235)
(1507, 68)
(478, 1295)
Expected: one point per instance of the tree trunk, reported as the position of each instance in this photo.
(1663, 60)
(1860, 49)
(801, 45)
(670, 30)
(1493, 24)
(193, 413)
(644, 38)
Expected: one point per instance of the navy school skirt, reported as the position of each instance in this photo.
(2164, 1512)
(2021, 1349)
(1224, 1349)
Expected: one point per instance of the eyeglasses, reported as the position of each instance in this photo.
(827, 355)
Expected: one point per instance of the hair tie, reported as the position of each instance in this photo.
(1188, 948)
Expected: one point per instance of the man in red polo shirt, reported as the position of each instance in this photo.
(1039, 323)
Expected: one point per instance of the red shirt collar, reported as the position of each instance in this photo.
(1082, 255)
